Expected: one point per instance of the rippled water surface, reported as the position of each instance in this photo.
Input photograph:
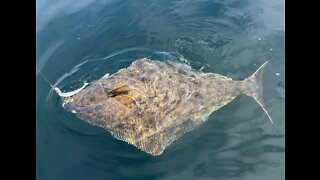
(82, 40)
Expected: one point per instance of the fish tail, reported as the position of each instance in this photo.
(254, 90)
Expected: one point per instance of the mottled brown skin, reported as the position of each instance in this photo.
(161, 101)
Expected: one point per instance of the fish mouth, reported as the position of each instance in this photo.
(70, 106)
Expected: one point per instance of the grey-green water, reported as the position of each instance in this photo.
(81, 40)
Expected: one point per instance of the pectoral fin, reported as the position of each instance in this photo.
(122, 90)
(123, 95)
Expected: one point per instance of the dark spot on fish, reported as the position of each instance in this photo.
(182, 72)
(151, 98)
(98, 108)
(138, 113)
(90, 110)
(188, 122)
(195, 82)
(165, 98)
(169, 111)
(192, 75)
(150, 123)
(120, 126)
(143, 103)
(171, 66)
(138, 135)
(130, 127)
(181, 92)
(143, 79)
(170, 76)
(92, 98)
(197, 95)
(179, 101)
(169, 130)
(97, 118)
(139, 143)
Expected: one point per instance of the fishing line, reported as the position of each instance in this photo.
(44, 77)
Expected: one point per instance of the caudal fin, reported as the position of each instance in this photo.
(255, 82)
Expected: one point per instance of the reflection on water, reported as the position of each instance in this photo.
(83, 40)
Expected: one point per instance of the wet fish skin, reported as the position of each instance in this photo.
(165, 100)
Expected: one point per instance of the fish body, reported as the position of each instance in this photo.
(150, 104)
